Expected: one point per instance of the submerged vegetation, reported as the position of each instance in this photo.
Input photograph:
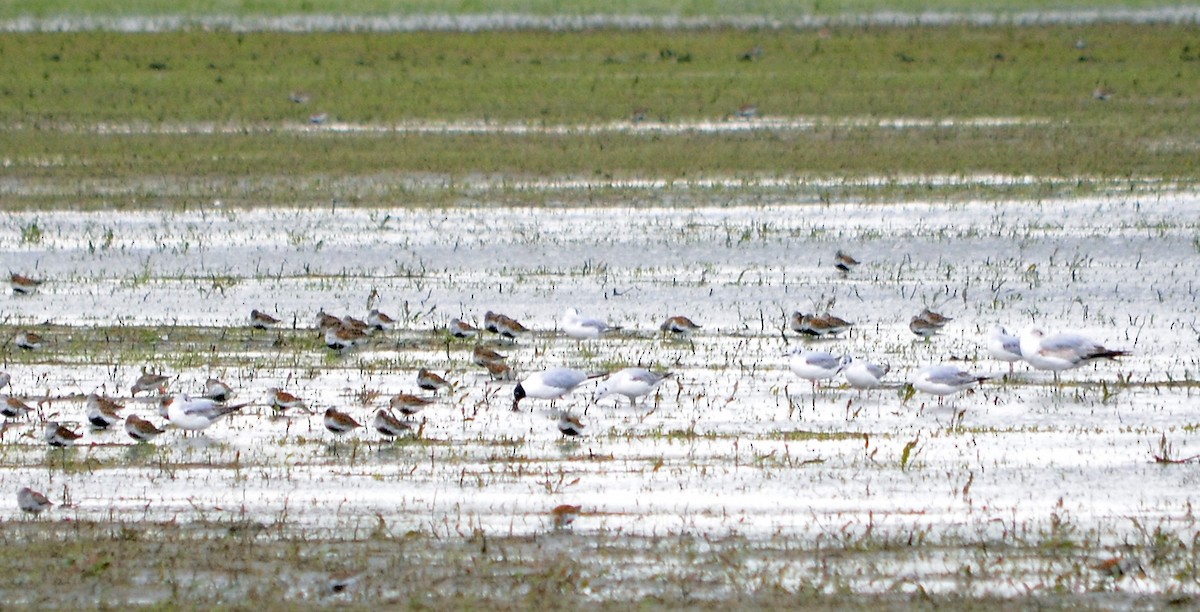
(410, 118)
(1038, 173)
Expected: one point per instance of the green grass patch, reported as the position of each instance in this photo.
(63, 94)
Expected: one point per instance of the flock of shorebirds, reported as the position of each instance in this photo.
(1039, 350)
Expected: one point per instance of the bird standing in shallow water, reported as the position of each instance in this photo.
(569, 425)
(844, 262)
(195, 414)
(59, 436)
(140, 429)
(461, 329)
(1061, 352)
(22, 285)
(943, 380)
(580, 327)
(389, 425)
(821, 326)
(630, 382)
(32, 502)
(814, 366)
(550, 384)
(863, 374)
(679, 325)
(431, 382)
(1004, 346)
(339, 422)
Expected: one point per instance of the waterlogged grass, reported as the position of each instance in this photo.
(599, 76)
(227, 560)
(80, 109)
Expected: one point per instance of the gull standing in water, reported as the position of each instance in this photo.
(863, 374)
(943, 380)
(580, 327)
(1004, 346)
(814, 366)
(196, 414)
(550, 384)
(1061, 351)
(632, 383)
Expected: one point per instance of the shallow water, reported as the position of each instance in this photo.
(733, 445)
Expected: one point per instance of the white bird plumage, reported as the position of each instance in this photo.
(551, 384)
(195, 414)
(814, 366)
(942, 380)
(863, 374)
(579, 327)
(1004, 346)
(1060, 352)
(630, 382)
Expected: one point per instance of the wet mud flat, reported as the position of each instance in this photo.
(735, 481)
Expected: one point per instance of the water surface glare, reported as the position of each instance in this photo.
(733, 444)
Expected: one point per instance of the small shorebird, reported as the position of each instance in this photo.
(341, 337)
(352, 323)
(140, 429)
(326, 320)
(59, 436)
(389, 425)
(569, 425)
(27, 340)
(579, 327)
(678, 325)
(550, 384)
(262, 320)
(935, 318)
(844, 262)
(22, 285)
(149, 382)
(408, 404)
(499, 371)
(819, 326)
(32, 502)
(461, 329)
(339, 422)
(282, 400)
(5, 378)
(491, 322)
(630, 382)
(14, 408)
(509, 327)
(503, 325)
(379, 321)
(565, 514)
(923, 328)
(215, 389)
(102, 412)
(482, 355)
(431, 382)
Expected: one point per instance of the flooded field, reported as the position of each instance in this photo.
(735, 477)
